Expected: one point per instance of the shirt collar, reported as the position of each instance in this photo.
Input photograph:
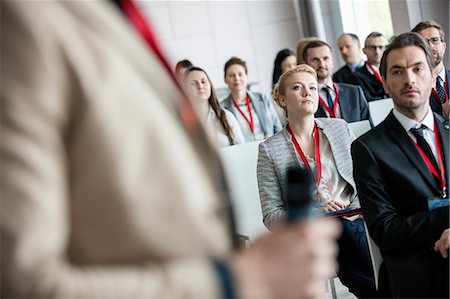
(409, 124)
(442, 74)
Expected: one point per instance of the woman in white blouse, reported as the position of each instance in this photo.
(321, 145)
(221, 123)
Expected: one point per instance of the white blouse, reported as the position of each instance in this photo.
(217, 131)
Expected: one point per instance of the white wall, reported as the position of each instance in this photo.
(407, 13)
(209, 32)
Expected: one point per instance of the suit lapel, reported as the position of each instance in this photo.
(257, 104)
(343, 95)
(404, 142)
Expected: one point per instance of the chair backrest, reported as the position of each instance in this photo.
(375, 255)
(379, 109)
(240, 167)
(359, 127)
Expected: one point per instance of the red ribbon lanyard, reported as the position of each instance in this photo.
(186, 110)
(332, 113)
(445, 89)
(249, 107)
(439, 175)
(376, 74)
(141, 25)
(303, 156)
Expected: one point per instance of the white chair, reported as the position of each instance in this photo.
(375, 255)
(379, 109)
(240, 167)
(359, 127)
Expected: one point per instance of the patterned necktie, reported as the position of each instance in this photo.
(326, 89)
(440, 89)
(423, 144)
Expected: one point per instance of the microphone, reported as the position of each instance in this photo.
(300, 193)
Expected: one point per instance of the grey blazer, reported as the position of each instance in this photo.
(277, 154)
(270, 123)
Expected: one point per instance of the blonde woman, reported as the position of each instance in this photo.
(321, 145)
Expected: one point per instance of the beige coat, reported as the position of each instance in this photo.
(103, 192)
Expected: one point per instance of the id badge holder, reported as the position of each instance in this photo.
(435, 203)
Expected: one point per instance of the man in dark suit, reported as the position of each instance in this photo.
(336, 99)
(350, 49)
(368, 76)
(434, 34)
(399, 166)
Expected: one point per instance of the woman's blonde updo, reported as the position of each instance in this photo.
(279, 90)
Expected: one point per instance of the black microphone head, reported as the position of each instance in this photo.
(300, 193)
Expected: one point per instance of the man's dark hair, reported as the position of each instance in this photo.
(352, 35)
(373, 35)
(405, 40)
(429, 24)
(313, 44)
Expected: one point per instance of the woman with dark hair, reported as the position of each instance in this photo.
(284, 61)
(220, 122)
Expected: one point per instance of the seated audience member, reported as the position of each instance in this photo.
(220, 122)
(434, 34)
(321, 145)
(350, 49)
(401, 167)
(110, 186)
(368, 76)
(337, 100)
(301, 45)
(284, 61)
(253, 110)
(181, 68)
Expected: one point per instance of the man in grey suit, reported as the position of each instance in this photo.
(400, 168)
(338, 100)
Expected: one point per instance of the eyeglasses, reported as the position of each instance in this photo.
(434, 40)
(373, 48)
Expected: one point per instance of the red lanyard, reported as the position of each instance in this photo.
(186, 110)
(376, 74)
(140, 23)
(303, 156)
(439, 175)
(335, 103)
(249, 107)
(445, 89)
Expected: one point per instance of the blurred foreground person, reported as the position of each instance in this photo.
(110, 188)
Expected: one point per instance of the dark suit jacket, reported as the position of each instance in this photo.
(435, 103)
(344, 75)
(352, 104)
(372, 88)
(394, 184)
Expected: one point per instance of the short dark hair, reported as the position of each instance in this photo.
(429, 24)
(183, 64)
(352, 35)
(313, 44)
(234, 60)
(405, 40)
(373, 35)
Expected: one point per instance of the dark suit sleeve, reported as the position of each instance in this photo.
(364, 106)
(391, 231)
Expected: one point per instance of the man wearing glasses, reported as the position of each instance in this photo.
(368, 76)
(434, 34)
